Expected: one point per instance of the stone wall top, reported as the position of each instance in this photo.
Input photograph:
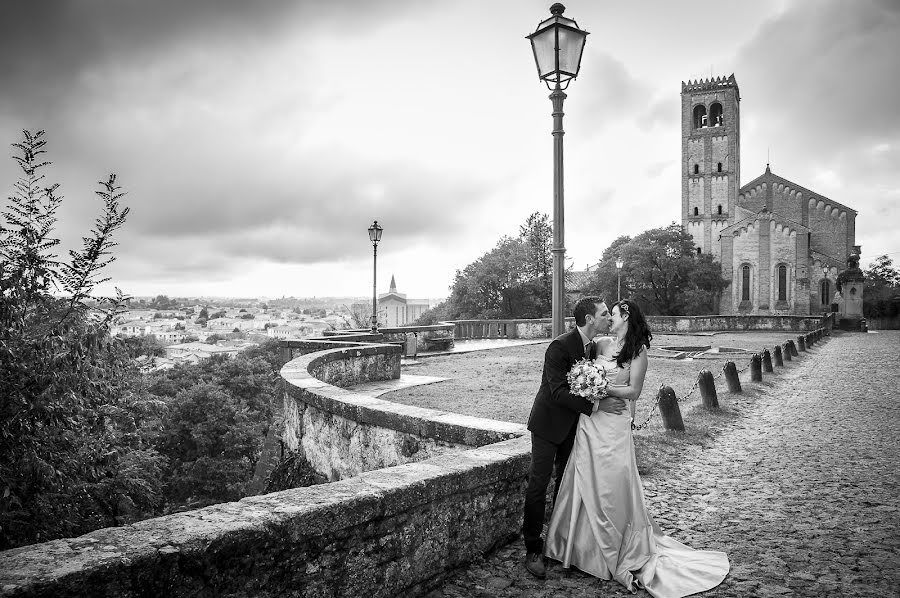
(302, 385)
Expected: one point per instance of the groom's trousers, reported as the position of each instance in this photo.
(544, 455)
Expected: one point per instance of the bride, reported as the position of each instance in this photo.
(600, 523)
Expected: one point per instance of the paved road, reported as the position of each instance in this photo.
(803, 493)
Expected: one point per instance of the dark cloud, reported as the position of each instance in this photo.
(819, 85)
(826, 69)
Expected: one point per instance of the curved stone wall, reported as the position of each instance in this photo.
(393, 531)
(343, 433)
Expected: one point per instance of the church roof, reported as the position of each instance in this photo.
(765, 214)
(770, 178)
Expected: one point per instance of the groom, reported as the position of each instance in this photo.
(554, 420)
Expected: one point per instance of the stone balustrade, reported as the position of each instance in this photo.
(541, 328)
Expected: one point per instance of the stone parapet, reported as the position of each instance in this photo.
(343, 433)
(394, 531)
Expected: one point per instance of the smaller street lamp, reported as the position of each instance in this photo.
(375, 237)
(619, 263)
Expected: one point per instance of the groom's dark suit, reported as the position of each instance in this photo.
(553, 422)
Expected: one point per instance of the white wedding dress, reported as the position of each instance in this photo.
(600, 522)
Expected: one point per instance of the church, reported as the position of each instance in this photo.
(781, 245)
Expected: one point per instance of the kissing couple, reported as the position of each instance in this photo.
(600, 523)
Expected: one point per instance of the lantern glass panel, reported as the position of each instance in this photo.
(571, 45)
(544, 46)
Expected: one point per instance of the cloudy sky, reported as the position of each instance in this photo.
(258, 140)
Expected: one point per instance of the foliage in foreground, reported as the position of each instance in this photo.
(72, 457)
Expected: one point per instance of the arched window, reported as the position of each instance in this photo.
(700, 120)
(715, 115)
(696, 169)
(699, 251)
(782, 282)
(720, 167)
(745, 283)
(825, 292)
(696, 211)
(720, 208)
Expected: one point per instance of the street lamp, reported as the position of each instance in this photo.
(375, 237)
(825, 299)
(619, 264)
(558, 44)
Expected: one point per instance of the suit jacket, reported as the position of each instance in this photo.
(555, 411)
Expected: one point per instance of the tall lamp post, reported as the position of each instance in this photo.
(826, 303)
(558, 44)
(375, 237)
(619, 263)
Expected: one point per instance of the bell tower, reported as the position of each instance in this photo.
(710, 158)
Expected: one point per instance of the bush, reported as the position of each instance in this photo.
(74, 454)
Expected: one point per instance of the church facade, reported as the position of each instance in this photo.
(781, 245)
(394, 309)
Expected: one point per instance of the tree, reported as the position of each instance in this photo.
(537, 236)
(142, 345)
(512, 280)
(219, 413)
(435, 315)
(663, 272)
(881, 293)
(356, 316)
(73, 453)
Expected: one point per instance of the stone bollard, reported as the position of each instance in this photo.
(801, 343)
(776, 355)
(786, 351)
(668, 409)
(767, 361)
(793, 347)
(731, 377)
(809, 341)
(708, 389)
(756, 368)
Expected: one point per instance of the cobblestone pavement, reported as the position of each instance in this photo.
(803, 493)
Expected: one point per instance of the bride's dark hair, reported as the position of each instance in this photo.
(638, 335)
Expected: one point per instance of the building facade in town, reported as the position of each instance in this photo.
(394, 309)
(781, 245)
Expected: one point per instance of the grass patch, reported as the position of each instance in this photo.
(501, 384)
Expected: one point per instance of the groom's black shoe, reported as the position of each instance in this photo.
(534, 562)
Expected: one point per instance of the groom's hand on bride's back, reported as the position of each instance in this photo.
(610, 405)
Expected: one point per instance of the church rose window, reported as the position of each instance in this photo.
(745, 283)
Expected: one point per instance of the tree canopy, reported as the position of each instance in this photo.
(512, 280)
(881, 293)
(663, 273)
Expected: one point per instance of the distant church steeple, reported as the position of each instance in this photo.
(393, 285)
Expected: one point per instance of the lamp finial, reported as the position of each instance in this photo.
(557, 9)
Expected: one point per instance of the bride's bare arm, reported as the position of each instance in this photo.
(632, 390)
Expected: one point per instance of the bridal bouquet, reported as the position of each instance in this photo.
(587, 379)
